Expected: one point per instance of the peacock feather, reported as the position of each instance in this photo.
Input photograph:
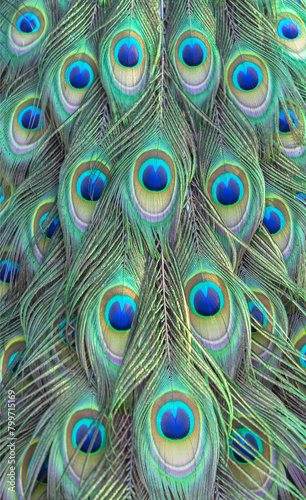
(152, 249)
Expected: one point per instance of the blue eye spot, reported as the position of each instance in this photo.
(192, 52)
(43, 473)
(95, 438)
(284, 126)
(175, 426)
(128, 55)
(11, 365)
(258, 312)
(227, 189)
(91, 188)
(9, 271)
(155, 180)
(246, 447)
(119, 312)
(301, 360)
(206, 299)
(193, 55)
(28, 23)
(51, 229)
(79, 75)
(91, 184)
(30, 117)
(274, 220)
(207, 305)
(175, 420)
(155, 175)
(289, 29)
(247, 76)
(248, 80)
(128, 52)
(2, 194)
(79, 79)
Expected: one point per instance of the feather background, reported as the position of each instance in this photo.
(152, 249)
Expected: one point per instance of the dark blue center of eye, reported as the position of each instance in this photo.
(43, 473)
(247, 453)
(193, 55)
(8, 273)
(96, 445)
(154, 180)
(258, 315)
(27, 25)
(228, 195)
(290, 30)
(207, 305)
(121, 319)
(175, 427)
(13, 365)
(79, 79)
(273, 224)
(284, 125)
(92, 187)
(52, 228)
(248, 80)
(128, 56)
(30, 119)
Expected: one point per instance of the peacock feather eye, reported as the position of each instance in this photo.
(27, 29)
(117, 309)
(91, 184)
(229, 189)
(274, 220)
(154, 185)
(289, 29)
(127, 61)
(262, 318)
(277, 220)
(88, 436)
(300, 344)
(176, 432)
(43, 473)
(175, 421)
(247, 76)
(209, 306)
(206, 299)
(11, 357)
(87, 185)
(28, 126)
(42, 477)
(193, 60)
(9, 272)
(291, 131)
(249, 84)
(44, 230)
(251, 456)
(76, 76)
(197, 63)
(291, 34)
(119, 312)
(245, 446)
(285, 126)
